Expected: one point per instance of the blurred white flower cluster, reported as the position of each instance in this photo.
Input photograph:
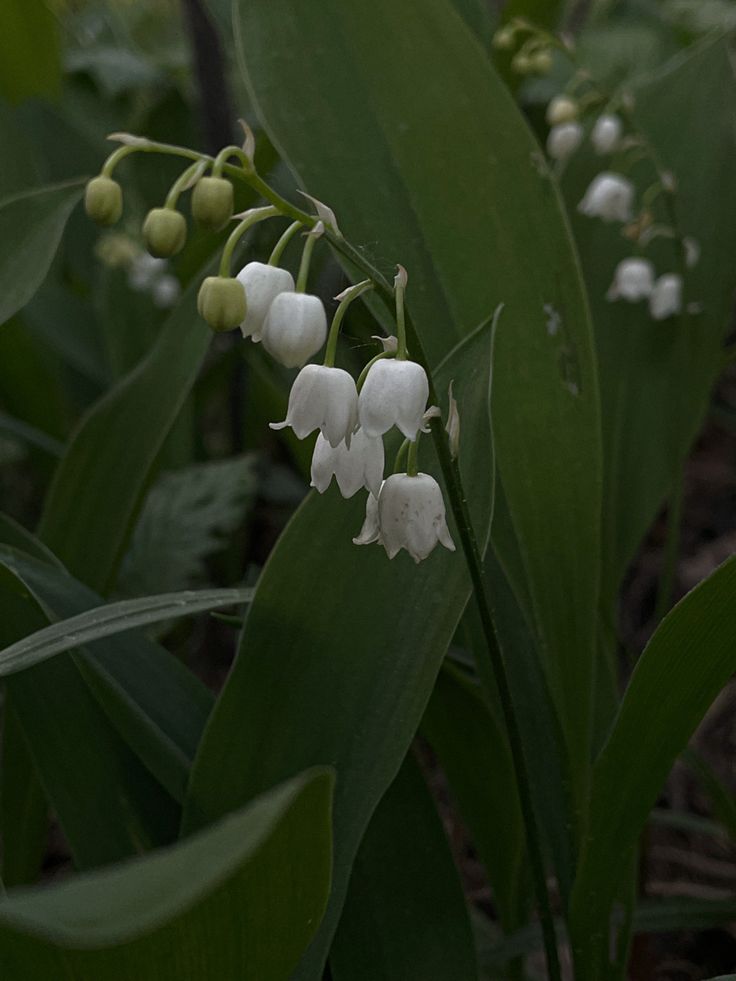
(611, 196)
(149, 275)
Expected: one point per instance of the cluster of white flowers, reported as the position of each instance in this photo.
(611, 197)
(404, 511)
(634, 280)
(566, 131)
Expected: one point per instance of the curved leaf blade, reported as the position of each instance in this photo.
(99, 484)
(684, 666)
(240, 900)
(113, 618)
(405, 914)
(157, 705)
(33, 221)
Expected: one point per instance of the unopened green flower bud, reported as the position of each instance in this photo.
(503, 39)
(165, 232)
(221, 302)
(212, 202)
(541, 62)
(561, 109)
(103, 200)
(522, 63)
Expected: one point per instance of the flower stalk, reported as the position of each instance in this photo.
(492, 669)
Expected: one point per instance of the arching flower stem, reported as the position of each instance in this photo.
(184, 181)
(251, 218)
(346, 298)
(278, 250)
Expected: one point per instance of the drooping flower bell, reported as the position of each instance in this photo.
(322, 398)
(564, 139)
(633, 280)
(666, 298)
(561, 109)
(606, 134)
(411, 515)
(262, 285)
(370, 533)
(295, 328)
(394, 394)
(358, 465)
(610, 197)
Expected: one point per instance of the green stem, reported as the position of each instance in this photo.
(183, 181)
(399, 290)
(232, 151)
(115, 157)
(278, 250)
(411, 457)
(303, 276)
(364, 373)
(256, 215)
(472, 555)
(400, 457)
(671, 549)
(347, 298)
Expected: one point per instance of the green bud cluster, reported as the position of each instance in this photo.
(221, 302)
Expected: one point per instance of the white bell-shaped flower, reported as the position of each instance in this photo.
(606, 134)
(610, 197)
(561, 109)
(564, 139)
(322, 398)
(394, 394)
(370, 533)
(358, 465)
(295, 328)
(411, 515)
(262, 284)
(666, 298)
(633, 280)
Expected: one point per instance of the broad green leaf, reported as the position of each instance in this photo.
(158, 707)
(405, 914)
(360, 640)
(107, 803)
(98, 487)
(473, 752)
(656, 377)
(393, 115)
(188, 516)
(688, 660)
(113, 618)
(24, 816)
(33, 221)
(17, 164)
(30, 61)
(240, 900)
